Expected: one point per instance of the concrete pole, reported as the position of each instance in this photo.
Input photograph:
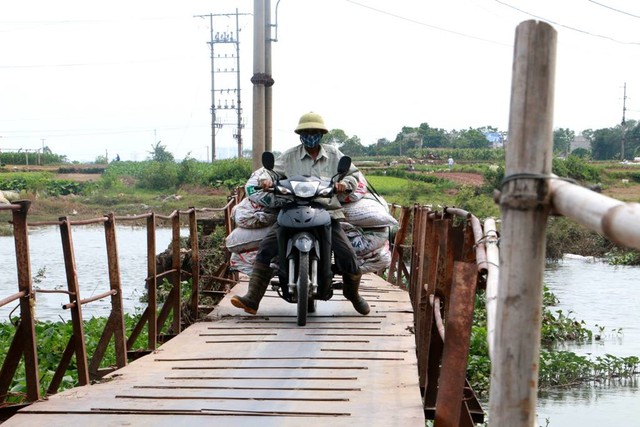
(259, 71)
(268, 91)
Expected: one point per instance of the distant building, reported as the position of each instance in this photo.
(496, 139)
(579, 141)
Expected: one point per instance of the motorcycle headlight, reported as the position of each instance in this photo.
(305, 189)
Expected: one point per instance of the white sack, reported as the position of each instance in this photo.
(263, 198)
(248, 214)
(369, 212)
(365, 240)
(243, 262)
(245, 239)
(377, 260)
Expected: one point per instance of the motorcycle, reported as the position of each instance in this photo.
(305, 273)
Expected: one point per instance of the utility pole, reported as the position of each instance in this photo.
(261, 79)
(624, 122)
(225, 39)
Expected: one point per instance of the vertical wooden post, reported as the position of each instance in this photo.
(428, 284)
(27, 321)
(449, 403)
(152, 283)
(395, 267)
(74, 297)
(176, 265)
(116, 318)
(195, 263)
(525, 206)
(228, 218)
(434, 350)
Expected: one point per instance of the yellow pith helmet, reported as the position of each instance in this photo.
(311, 120)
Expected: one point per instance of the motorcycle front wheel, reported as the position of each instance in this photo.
(303, 287)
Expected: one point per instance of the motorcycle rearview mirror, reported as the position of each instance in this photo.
(268, 160)
(344, 164)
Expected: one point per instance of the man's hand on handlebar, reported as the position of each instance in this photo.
(340, 187)
(266, 184)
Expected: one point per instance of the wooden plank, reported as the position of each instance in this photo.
(242, 370)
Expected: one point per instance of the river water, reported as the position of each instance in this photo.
(91, 264)
(608, 297)
(595, 292)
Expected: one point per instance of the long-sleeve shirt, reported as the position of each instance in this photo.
(296, 161)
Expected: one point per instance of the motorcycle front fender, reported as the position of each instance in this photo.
(304, 242)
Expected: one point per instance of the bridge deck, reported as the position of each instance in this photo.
(263, 370)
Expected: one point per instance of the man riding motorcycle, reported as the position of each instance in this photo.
(313, 159)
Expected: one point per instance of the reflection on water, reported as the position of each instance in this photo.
(608, 297)
(91, 265)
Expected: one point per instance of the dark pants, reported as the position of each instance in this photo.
(344, 255)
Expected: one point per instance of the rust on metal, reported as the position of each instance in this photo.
(88, 300)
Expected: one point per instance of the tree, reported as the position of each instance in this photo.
(353, 147)
(605, 143)
(562, 139)
(382, 147)
(159, 153)
(432, 137)
(632, 141)
(335, 137)
(349, 145)
(469, 138)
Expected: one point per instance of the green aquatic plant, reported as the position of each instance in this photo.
(558, 368)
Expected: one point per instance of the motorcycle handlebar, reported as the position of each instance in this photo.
(272, 189)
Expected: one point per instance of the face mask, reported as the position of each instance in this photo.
(311, 140)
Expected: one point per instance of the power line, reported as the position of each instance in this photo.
(614, 9)
(566, 26)
(424, 24)
(59, 133)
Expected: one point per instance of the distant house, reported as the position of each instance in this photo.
(580, 141)
(495, 138)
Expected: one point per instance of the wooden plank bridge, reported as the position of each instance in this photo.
(263, 370)
(393, 367)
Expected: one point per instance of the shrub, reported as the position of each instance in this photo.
(229, 173)
(576, 168)
(159, 176)
(565, 236)
(493, 177)
(40, 182)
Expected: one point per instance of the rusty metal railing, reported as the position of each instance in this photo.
(446, 264)
(438, 259)
(23, 346)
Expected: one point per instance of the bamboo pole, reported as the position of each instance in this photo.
(616, 220)
(493, 270)
(525, 205)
